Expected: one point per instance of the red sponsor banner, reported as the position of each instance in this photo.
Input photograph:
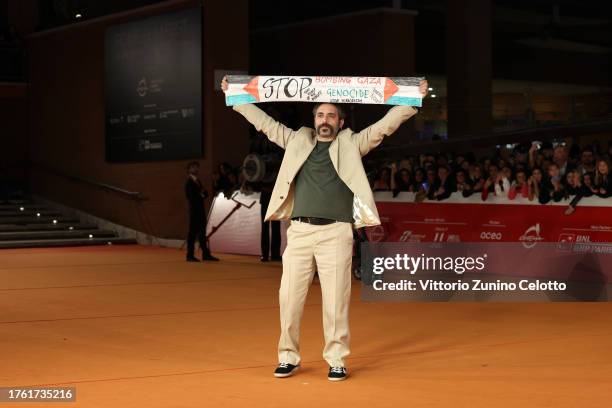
(458, 222)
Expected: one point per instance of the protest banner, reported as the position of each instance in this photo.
(364, 90)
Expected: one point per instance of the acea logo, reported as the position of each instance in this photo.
(142, 88)
(531, 237)
(491, 236)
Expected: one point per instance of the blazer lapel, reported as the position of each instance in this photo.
(333, 153)
(310, 145)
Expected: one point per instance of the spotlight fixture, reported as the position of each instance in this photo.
(78, 15)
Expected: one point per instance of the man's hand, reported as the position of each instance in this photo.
(424, 88)
(224, 83)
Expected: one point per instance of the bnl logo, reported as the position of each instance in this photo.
(574, 238)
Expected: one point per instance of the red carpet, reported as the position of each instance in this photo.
(133, 326)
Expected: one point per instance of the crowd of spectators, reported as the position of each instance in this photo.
(536, 171)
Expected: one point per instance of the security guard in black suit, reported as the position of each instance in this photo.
(196, 194)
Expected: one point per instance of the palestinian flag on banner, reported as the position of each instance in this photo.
(367, 90)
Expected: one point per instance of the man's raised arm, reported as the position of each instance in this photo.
(275, 131)
(373, 135)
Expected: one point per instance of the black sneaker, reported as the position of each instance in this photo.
(192, 259)
(337, 374)
(209, 257)
(285, 370)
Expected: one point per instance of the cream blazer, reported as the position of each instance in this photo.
(345, 152)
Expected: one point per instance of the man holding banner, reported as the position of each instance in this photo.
(323, 189)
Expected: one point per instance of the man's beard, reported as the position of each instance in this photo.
(332, 131)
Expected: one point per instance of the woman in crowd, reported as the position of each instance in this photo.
(476, 178)
(507, 172)
(497, 183)
(575, 186)
(489, 184)
(572, 182)
(603, 181)
(443, 185)
(552, 187)
(400, 181)
(535, 185)
(519, 186)
(419, 179)
(426, 189)
(463, 184)
(383, 181)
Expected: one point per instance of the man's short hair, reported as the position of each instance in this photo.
(192, 163)
(341, 114)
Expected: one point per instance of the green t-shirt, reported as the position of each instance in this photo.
(319, 191)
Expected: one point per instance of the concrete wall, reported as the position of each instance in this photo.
(66, 73)
(378, 42)
(13, 132)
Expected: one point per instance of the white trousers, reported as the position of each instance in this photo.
(330, 248)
